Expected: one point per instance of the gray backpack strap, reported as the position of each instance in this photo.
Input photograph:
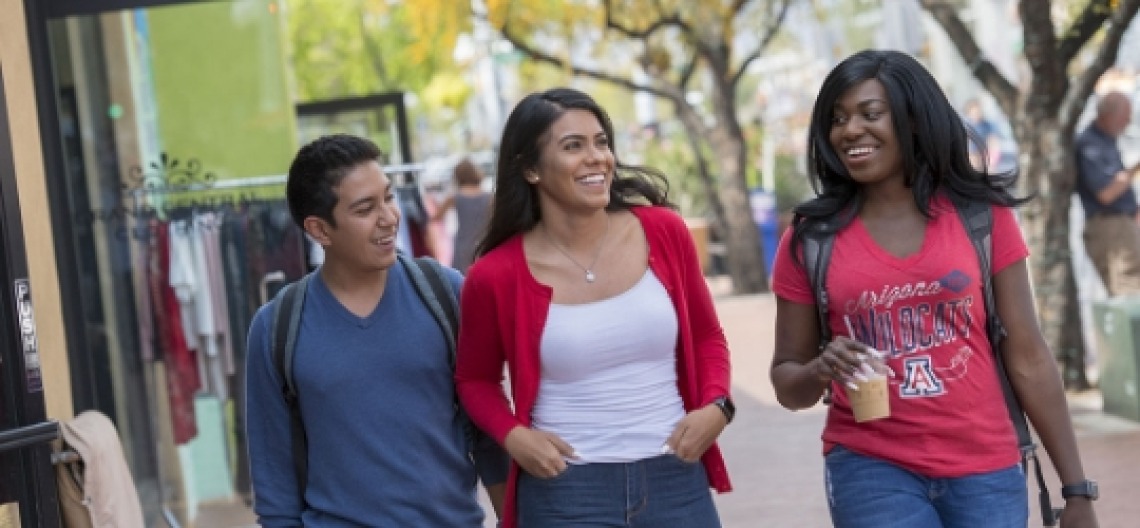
(286, 323)
(978, 219)
(431, 284)
(433, 288)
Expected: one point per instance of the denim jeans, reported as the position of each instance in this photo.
(865, 492)
(652, 493)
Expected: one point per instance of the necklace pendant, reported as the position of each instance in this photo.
(590, 276)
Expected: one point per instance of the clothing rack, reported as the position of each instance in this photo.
(260, 181)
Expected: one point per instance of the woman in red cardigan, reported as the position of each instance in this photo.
(589, 289)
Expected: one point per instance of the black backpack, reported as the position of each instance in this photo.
(977, 217)
(430, 283)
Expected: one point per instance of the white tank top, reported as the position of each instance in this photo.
(609, 375)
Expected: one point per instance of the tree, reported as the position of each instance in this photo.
(1044, 111)
(681, 47)
(350, 48)
(362, 47)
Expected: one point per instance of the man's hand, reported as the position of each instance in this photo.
(696, 432)
(539, 453)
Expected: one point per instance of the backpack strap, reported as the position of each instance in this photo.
(977, 217)
(818, 242)
(431, 284)
(286, 323)
(428, 278)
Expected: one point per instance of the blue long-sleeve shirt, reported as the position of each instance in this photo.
(386, 446)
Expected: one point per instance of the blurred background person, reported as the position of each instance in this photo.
(472, 206)
(1111, 235)
(988, 135)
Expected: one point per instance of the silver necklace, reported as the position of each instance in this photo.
(589, 270)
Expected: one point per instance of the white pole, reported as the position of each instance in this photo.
(768, 159)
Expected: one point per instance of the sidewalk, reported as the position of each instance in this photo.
(774, 454)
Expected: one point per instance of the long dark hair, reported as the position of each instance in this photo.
(932, 138)
(515, 204)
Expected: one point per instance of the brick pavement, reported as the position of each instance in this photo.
(774, 455)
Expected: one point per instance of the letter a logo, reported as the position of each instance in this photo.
(920, 381)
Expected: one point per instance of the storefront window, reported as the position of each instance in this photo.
(177, 124)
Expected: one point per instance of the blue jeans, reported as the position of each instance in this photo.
(651, 493)
(865, 492)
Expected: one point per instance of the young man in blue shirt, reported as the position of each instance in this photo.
(386, 445)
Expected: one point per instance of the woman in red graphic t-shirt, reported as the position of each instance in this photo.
(889, 158)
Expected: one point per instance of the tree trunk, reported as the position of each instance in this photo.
(1047, 171)
(708, 183)
(743, 252)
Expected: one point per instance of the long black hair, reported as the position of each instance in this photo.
(515, 206)
(932, 138)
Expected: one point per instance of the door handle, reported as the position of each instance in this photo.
(19, 437)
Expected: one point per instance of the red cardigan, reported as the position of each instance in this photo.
(504, 311)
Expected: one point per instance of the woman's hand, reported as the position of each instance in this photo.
(843, 360)
(539, 453)
(1078, 513)
(696, 432)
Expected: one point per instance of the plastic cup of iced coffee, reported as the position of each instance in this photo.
(869, 392)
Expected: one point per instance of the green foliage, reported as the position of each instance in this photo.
(792, 186)
(672, 155)
(344, 48)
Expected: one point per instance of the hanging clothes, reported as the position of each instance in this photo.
(179, 361)
(415, 217)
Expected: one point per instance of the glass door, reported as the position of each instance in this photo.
(171, 129)
(27, 483)
(175, 124)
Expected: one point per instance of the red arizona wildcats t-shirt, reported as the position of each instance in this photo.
(926, 311)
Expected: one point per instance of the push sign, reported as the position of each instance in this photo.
(26, 322)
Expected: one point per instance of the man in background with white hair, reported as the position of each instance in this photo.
(1112, 235)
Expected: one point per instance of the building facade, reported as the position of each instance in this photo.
(142, 225)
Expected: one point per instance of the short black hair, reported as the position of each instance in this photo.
(318, 168)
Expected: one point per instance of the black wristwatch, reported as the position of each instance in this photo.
(1084, 488)
(725, 405)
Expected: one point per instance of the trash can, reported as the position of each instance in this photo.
(1118, 346)
(763, 205)
(699, 230)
